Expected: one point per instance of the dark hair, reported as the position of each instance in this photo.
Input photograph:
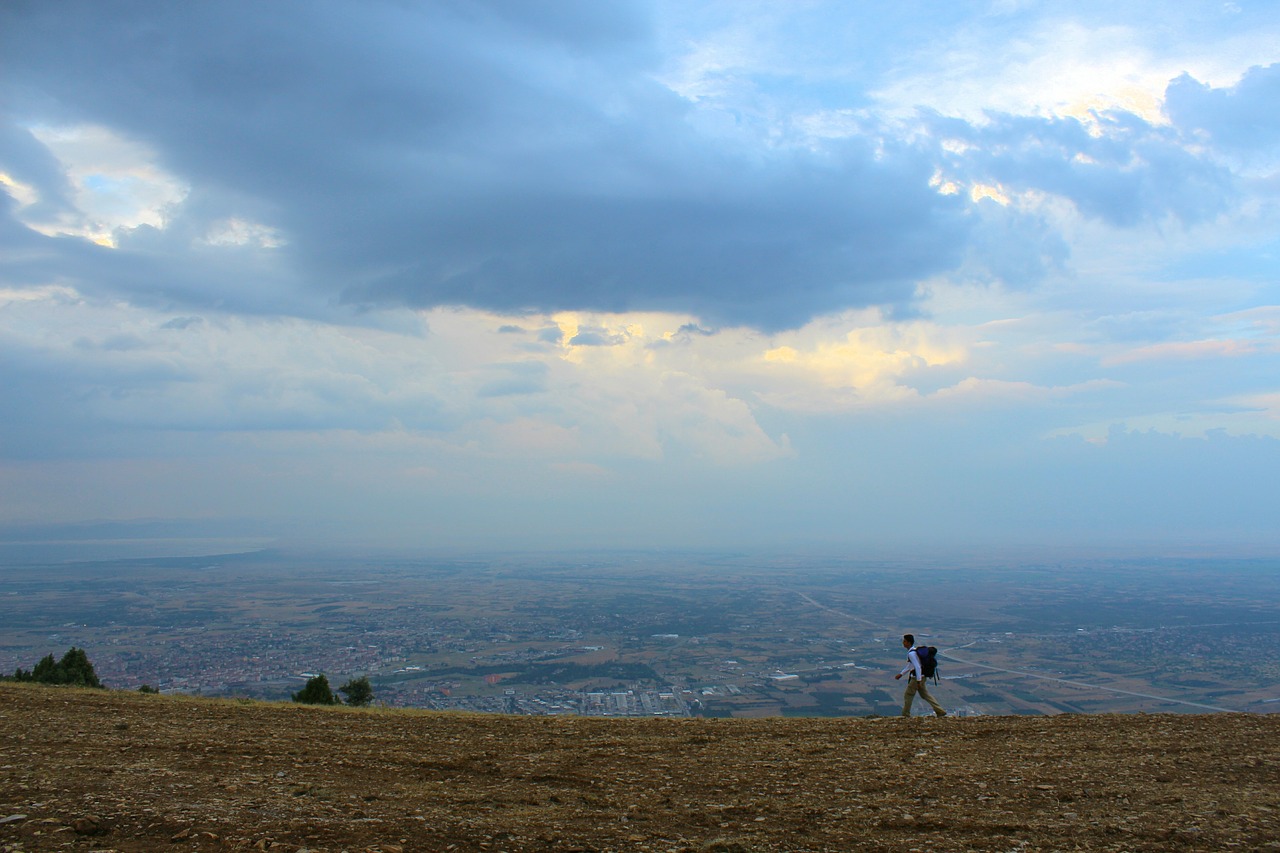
(910, 638)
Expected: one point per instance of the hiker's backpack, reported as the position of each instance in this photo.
(928, 656)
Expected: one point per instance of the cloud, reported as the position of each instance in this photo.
(1180, 350)
(532, 161)
(1117, 168)
(1069, 60)
(1015, 246)
(97, 379)
(998, 391)
(1245, 116)
(525, 377)
(551, 334)
(599, 337)
(710, 270)
(182, 322)
(33, 176)
(519, 162)
(869, 366)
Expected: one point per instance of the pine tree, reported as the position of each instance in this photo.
(77, 670)
(74, 669)
(316, 692)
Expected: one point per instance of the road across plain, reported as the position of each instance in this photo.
(948, 655)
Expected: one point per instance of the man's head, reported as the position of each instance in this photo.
(908, 640)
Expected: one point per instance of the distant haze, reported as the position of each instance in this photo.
(640, 274)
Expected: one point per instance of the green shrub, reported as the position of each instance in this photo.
(358, 691)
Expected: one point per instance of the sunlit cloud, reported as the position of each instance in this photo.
(24, 194)
(116, 183)
(1063, 67)
(871, 362)
(983, 191)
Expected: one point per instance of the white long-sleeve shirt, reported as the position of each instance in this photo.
(913, 663)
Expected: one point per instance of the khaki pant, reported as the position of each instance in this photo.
(914, 687)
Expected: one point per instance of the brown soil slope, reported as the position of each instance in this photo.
(97, 770)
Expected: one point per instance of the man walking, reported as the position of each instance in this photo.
(915, 683)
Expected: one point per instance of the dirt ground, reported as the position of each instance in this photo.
(99, 770)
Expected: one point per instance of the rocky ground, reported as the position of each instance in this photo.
(98, 770)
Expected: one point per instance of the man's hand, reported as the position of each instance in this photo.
(896, 677)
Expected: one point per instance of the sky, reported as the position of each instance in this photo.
(689, 274)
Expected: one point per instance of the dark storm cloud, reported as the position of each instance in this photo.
(152, 267)
(500, 155)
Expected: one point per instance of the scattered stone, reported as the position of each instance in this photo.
(88, 825)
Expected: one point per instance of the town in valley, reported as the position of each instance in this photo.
(662, 634)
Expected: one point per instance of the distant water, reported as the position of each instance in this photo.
(88, 550)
